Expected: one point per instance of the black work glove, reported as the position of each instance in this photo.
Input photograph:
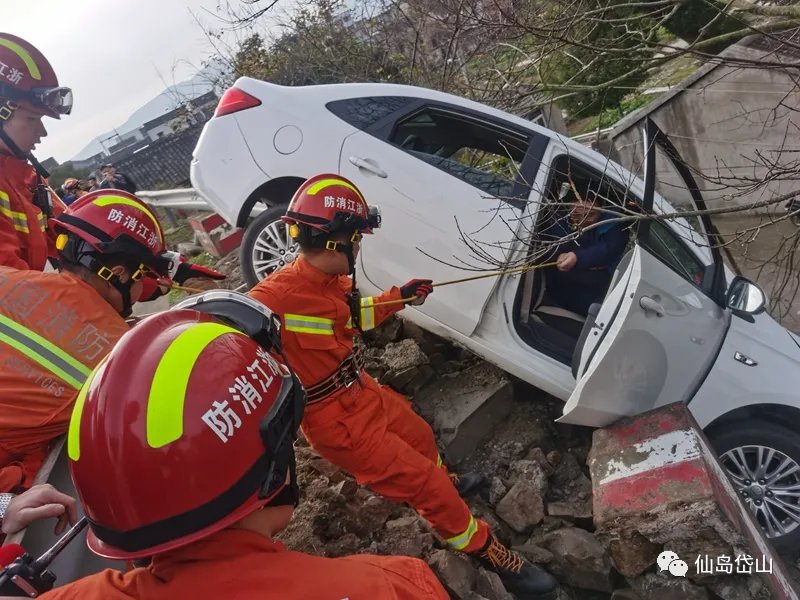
(173, 266)
(419, 288)
(187, 270)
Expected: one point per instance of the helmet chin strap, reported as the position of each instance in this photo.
(17, 151)
(125, 290)
(354, 297)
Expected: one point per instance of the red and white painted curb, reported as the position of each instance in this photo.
(661, 459)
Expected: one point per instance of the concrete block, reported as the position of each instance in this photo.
(464, 410)
(454, 571)
(655, 476)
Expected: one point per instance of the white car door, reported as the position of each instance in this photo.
(660, 327)
(444, 181)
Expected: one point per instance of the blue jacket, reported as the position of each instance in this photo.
(598, 250)
(601, 246)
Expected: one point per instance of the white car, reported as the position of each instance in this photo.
(673, 325)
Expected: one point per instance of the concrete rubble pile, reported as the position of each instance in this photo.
(539, 497)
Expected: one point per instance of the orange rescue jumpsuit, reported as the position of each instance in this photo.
(244, 565)
(54, 329)
(369, 430)
(25, 241)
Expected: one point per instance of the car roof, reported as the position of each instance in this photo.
(343, 91)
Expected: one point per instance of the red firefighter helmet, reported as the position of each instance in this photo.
(185, 428)
(29, 78)
(327, 204)
(70, 183)
(113, 222)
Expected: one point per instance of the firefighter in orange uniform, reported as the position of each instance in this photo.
(56, 327)
(218, 414)
(29, 91)
(365, 428)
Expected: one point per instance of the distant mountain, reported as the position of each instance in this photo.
(164, 102)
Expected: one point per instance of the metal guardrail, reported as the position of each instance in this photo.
(180, 199)
(591, 135)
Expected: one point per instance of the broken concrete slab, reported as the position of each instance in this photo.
(497, 490)
(534, 553)
(454, 571)
(625, 594)
(491, 587)
(402, 355)
(529, 471)
(409, 381)
(579, 559)
(635, 555)
(666, 587)
(580, 509)
(655, 476)
(522, 507)
(465, 409)
(538, 456)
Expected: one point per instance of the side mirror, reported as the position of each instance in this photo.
(744, 296)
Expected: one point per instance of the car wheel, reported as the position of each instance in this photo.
(763, 461)
(266, 246)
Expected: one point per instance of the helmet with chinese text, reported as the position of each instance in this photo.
(109, 228)
(111, 222)
(214, 409)
(327, 204)
(27, 77)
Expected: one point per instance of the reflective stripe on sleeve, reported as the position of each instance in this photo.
(18, 219)
(44, 353)
(308, 324)
(367, 313)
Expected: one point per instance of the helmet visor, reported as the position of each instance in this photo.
(373, 217)
(56, 99)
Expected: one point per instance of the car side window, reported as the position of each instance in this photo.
(486, 157)
(363, 112)
(663, 243)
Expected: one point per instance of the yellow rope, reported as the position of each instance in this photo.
(473, 278)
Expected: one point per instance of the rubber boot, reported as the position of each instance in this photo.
(521, 578)
(468, 484)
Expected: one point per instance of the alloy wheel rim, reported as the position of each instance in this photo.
(768, 482)
(272, 249)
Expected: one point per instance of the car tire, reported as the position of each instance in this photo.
(266, 246)
(737, 445)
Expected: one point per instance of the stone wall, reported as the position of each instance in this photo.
(722, 119)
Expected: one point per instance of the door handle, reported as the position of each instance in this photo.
(650, 305)
(368, 165)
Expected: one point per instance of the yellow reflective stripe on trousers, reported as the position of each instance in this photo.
(74, 431)
(44, 353)
(168, 390)
(367, 313)
(308, 324)
(459, 542)
(439, 461)
(18, 219)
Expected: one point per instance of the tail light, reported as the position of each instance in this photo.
(234, 100)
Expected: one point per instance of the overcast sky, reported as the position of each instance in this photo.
(114, 55)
